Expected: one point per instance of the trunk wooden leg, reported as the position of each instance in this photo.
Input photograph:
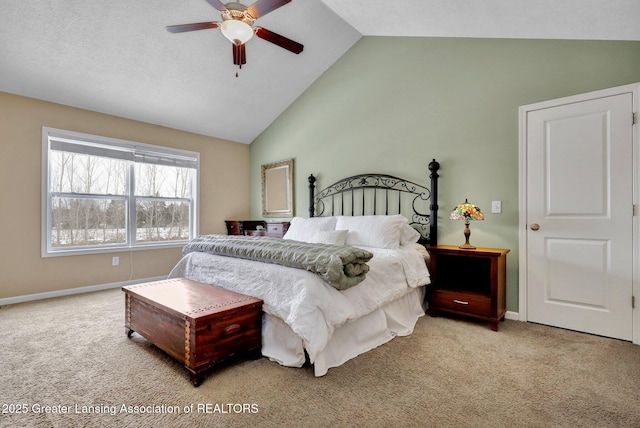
(196, 379)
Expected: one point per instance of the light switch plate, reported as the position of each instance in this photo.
(496, 207)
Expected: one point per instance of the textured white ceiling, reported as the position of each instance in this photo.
(531, 19)
(116, 57)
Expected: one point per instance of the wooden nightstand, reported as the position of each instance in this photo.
(468, 282)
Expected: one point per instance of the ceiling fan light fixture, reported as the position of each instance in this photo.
(237, 32)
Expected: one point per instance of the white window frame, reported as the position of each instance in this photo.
(137, 150)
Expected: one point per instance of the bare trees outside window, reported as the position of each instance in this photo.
(162, 202)
(88, 199)
(113, 194)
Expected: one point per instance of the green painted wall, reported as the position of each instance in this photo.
(391, 104)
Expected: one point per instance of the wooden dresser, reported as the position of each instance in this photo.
(275, 229)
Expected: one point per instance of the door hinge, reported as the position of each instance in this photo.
(634, 211)
(633, 302)
(634, 119)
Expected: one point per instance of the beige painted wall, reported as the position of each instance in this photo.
(391, 104)
(224, 194)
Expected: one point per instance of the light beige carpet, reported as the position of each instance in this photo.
(71, 354)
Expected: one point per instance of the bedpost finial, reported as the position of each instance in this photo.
(312, 192)
(434, 166)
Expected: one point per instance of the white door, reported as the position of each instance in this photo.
(579, 215)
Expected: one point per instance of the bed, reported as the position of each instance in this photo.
(307, 318)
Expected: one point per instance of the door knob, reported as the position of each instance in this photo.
(535, 226)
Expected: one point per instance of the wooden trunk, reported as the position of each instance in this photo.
(198, 324)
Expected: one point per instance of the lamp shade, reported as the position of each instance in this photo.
(466, 211)
(238, 32)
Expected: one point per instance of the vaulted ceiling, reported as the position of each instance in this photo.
(116, 57)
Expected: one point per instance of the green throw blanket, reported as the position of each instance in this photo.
(341, 267)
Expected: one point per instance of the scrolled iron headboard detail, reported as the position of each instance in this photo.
(371, 194)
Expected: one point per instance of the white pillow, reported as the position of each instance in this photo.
(408, 234)
(335, 237)
(417, 247)
(305, 229)
(378, 231)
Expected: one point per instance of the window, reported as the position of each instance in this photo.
(101, 194)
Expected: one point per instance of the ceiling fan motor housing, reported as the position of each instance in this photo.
(238, 12)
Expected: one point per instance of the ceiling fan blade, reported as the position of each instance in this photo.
(279, 40)
(239, 54)
(262, 7)
(192, 27)
(218, 5)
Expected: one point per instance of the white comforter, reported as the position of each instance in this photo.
(312, 308)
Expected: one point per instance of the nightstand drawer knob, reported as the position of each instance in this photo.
(460, 302)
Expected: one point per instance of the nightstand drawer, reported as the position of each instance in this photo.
(471, 303)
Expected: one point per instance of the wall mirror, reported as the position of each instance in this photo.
(277, 189)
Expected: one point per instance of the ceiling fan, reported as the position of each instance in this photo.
(237, 26)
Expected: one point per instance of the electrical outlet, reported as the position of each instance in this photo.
(115, 261)
(496, 207)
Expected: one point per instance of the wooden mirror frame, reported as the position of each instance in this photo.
(277, 189)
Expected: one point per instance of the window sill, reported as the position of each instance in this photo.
(114, 249)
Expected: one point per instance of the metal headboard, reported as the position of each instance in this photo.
(380, 194)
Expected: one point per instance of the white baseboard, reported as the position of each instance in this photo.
(512, 316)
(71, 291)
